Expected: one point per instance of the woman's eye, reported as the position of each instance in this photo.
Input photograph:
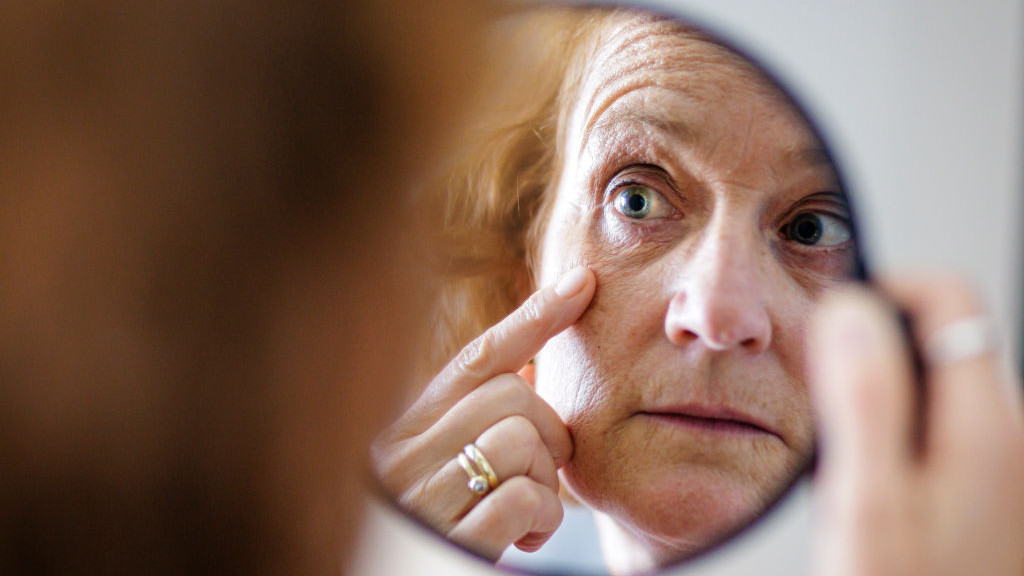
(636, 201)
(816, 229)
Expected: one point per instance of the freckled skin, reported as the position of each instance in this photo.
(703, 304)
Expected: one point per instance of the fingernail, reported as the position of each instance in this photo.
(571, 284)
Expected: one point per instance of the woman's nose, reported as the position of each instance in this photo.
(720, 297)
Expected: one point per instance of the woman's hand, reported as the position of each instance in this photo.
(479, 398)
(948, 503)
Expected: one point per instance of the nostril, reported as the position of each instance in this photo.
(682, 337)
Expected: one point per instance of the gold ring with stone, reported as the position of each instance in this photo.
(482, 464)
(482, 478)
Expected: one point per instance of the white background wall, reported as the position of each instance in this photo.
(922, 101)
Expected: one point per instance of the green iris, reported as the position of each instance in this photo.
(635, 202)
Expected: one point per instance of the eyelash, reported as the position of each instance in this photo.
(824, 210)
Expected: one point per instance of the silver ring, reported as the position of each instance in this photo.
(960, 340)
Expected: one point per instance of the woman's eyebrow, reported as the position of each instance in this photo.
(812, 156)
(833, 196)
(648, 117)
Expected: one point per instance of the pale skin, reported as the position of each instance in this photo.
(670, 362)
(683, 384)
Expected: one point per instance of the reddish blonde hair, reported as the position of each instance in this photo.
(494, 199)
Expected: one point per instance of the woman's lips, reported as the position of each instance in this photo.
(714, 420)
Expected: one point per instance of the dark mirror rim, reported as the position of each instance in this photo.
(859, 273)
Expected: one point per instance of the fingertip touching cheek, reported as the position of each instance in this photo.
(712, 220)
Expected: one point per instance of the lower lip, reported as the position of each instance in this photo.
(714, 426)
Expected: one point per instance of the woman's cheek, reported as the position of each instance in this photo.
(579, 369)
(573, 372)
(593, 358)
(565, 377)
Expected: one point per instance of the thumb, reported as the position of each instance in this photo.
(861, 387)
(861, 383)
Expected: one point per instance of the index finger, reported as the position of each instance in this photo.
(511, 343)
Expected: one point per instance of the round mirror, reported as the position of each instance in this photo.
(635, 226)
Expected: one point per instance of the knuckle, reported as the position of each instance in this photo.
(512, 392)
(395, 467)
(525, 495)
(524, 430)
(537, 314)
(516, 439)
(476, 356)
(414, 500)
(382, 460)
(388, 466)
(523, 437)
(532, 311)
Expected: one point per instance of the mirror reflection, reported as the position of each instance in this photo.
(639, 225)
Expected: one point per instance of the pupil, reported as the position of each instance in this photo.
(636, 202)
(807, 229)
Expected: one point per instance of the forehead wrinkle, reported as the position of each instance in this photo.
(641, 42)
(643, 54)
(636, 77)
(798, 148)
(652, 117)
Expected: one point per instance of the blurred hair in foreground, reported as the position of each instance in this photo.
(205, 272)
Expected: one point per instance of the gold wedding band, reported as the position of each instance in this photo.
(959, 340)
(482, 478)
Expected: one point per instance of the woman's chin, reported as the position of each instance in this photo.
(665, 518)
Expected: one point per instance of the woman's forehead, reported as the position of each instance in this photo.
(663, 75)
(638, 51)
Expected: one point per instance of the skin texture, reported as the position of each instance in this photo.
(699, 315)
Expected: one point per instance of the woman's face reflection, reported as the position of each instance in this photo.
(713, 221)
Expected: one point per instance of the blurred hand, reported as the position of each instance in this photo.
(480, 398)
(952, 504)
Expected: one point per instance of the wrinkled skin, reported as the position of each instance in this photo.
(683, 385)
